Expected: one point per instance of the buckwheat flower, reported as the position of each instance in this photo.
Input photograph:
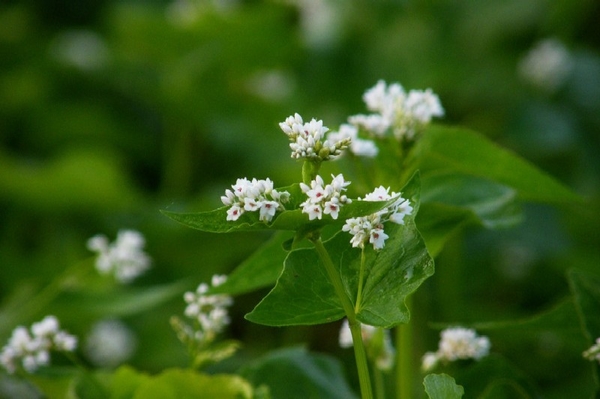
(457, 343)
(593, 353)
(208, 311)
(377, 342)
(110, 343)
(254, 196)
(370, 228)
(404, 114)
(124, 259)
(308, 140)
(324, 199)
(359, 147)
(30, 348)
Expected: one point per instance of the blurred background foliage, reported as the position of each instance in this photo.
(111, 110)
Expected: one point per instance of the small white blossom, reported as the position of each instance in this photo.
(324, 199)
(405, 114)
(254, 196)
(110, 343)
(308, 139)
(31, 348)
(457, 343)
(125, 258)
(593, 353)
(209, 311)
(358, 146)
(377, 340)
(370, 228)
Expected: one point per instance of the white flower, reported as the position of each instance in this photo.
(593, 353)
(31, 350)
(324, 199)
(252, 196)
(457, 343)
(370, 228)
(405, 114)
(110, 343)
(125, 258)
(209, 311)
(358, 146)
(308, 139)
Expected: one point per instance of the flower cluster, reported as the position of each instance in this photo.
(377, 341)
(547, 65)
(308, 139)
(405, 113)
(358, 146)
(370, 228)
(324, 199)
(31, 348)
(110, 343)
(593, 353)
(457, 343)
(125, 258)
(209, 311)
(254, 195)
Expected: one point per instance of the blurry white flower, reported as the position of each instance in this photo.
(457, 343)
(546, 65)
(209, 311)
(377, 342)
(30, 349)
(405, 114)
(125, 258)
(83, 49)
(110, 343)
(593, 353)
(271, 85)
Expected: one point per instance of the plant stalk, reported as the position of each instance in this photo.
(404, 359)
(355, 328)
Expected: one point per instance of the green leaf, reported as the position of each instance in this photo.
(294, 373)
(438, 222)
(442, 386)
(260, 270)
(444, 149)
(303, 293)
(393, 272)
(176, 384)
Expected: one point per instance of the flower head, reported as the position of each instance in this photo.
(358, 146)
(593, 353)
(30, 348)
(110, 343)
(324, 199)
(254, 196)
(308, 140)
(370, 228)
(405, 114)
(457, 343)
(125, 258)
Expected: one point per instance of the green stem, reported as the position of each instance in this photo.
(361, 276)
(403, 360)
(355, 328)
(379, 385)
(310, 169)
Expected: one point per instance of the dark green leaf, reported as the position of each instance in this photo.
(442, 386)
(297, 374)
(443, 149)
